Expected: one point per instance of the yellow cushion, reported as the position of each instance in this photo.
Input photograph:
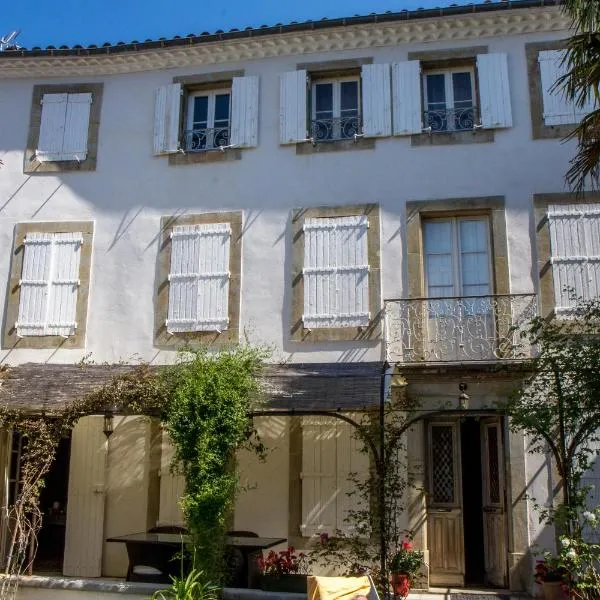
(337, 588)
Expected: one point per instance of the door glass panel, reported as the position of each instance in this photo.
(324, 100)
(442, 473)
(435, 86)
(348, 109)
(221, 129)
(475, 268)
(200, 112)
(493, 465)
(463, 101)
(438, 258)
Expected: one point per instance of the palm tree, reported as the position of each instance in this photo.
(581, 84)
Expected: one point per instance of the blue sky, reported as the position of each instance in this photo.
(85, 22)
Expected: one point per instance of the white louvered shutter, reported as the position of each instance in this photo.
(244, 111)
(575, 246)
(318, 476)
(167, 113)
(407, 106)
(336, 272)
(172, 487)
(352, 469)
(376, 100)
(87, 494)
(293, 107)
(52, 127)
(199, 278)
(76, 126)
(494, 90)
(49, 284)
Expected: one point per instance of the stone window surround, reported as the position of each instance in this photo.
(420, 210)
(10, 338)
(330, 69)
(191, 83)
(30, 163)
(542, 240)
(231, 335)
(539, 130)
(373, 331)
(439, 59)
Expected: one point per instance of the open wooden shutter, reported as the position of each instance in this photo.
(558, 109)
(494, 90)
(76, 126)
(199, 278)
(244, 111)
(85, 507)
(318, 476)
(52, 127)
(167, 113)
(293, 109)
(336, 272)
(376, 100)
(352, 468)
(575, 246)
(172, 487)
(407, 105)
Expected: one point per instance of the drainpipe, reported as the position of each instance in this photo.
(386, 374)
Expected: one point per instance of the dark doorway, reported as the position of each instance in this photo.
(53, 505)
(472, 485)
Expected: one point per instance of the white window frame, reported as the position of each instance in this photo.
(336, 83)
(449, 90)
(456, 253)
(211, 95)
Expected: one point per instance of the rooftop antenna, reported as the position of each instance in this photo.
(5, 42)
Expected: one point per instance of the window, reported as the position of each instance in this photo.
(198, 114)
(336, 290)
(335, 109)
(449, 99)
(575, 259)
(63, 135)
(49, 285)
(208, 120)
(200, 261)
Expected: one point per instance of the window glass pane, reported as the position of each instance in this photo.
(200, 112)
(349, 97)
(221, 109)
(438, 236)
(475, 268)
(461, 86)
(473, 235)
(436, 90)
(324, 99)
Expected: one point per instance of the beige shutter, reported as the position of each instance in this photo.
(318, 476)
(85, 507)
(244, 111)
(52, 127)
(376, 100)
(172, 487)
(494, 90)
(352, 467)
(406, 98)
(167, 113)
(293, 107)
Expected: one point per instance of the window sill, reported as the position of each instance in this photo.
(335, 146)
(552, 132)
(212, 156)
(32, 165)
(453, 138)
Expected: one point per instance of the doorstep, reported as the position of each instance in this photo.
(466, 594)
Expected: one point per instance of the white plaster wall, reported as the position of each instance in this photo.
(131, 189)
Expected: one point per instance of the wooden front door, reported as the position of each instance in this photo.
(494, 512)
(444, 508)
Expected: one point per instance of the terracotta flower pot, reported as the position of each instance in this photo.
(401, 584)
(553, 590)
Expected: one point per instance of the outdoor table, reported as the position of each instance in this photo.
(169, 543)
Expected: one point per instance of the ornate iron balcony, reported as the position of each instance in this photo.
(201, 140)
(341, 128)
(476, 328)
(451, 119)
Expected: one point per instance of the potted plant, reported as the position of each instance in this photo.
(551, 577)
(405, 564)
(283, 571)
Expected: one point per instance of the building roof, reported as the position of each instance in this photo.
(278, 29)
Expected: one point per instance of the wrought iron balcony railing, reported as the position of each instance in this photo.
(341, 128)
(476, 328)
(451, 119)
(200, 140)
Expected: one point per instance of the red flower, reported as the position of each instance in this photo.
(406, 545)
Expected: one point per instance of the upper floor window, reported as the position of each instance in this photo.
(63, 134)
(204, 117)
(208, 120)
(335, 109)
(450, 99)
